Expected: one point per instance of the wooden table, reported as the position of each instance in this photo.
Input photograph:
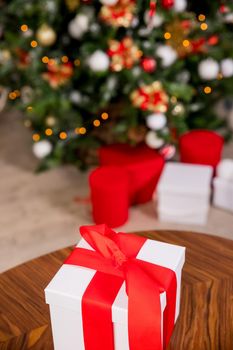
(206, 318)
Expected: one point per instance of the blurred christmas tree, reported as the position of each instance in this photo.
(90, 72)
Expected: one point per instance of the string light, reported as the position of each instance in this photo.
(96, 123)
(29, 108)
(36, 137)
(186, 43)
(204, 26)
(65, 59)
(12, 95)
(77, 62)
(34, 43)
(207, 90)
(201, 18)
(167, 35)
(82, 130)
(24, 27)
(45, 59)
(63, 135)
(48, 132)
(104, 116)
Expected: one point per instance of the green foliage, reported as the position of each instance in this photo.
(77, 98)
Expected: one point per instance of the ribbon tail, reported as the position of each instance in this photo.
(97, 311)
(144, 320)
(166, 279)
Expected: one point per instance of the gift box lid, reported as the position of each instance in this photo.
(185, 179)
(69, 284)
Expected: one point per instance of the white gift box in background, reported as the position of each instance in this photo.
(223, 185)
(183, 193)
(65, 291)
(223, 194)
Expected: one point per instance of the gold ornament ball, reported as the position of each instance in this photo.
(46, 36)
(178, 109)
(50, 120)
(72, 4)
(5, 56)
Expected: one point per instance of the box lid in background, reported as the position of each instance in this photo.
(184, 179)
(69, 284)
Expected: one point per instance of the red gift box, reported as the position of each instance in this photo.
(110, 195)
(201, 147)
(143, 164)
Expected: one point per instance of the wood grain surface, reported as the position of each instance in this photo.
(206, 317)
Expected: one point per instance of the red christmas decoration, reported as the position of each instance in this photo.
(224, 9)
(148, 64)
(213, 40)
(168, 152)
(123, 54)
(201, 44)
(201, 147)
(153, 5)
(58, 74)
(119, 15)
(110, 195)
(167, 4)
(150, 98)
(143, 165)
(24, 58)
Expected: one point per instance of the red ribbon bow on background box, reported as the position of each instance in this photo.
(114, 258)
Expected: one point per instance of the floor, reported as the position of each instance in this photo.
(41, 213)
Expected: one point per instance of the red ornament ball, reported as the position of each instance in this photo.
(213, 40)
(167, 4)
(148, 64)
(168, 152)
(224, 9)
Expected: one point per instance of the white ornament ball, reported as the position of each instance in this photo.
(225, 169)
(229, 18)
(183, 76)
(78, 26)
(28, 33)
(76, 97)
(136, 71)
(112, 83)
(156, 121)
(155, 22)
(167, 55)
(227, 67)
(41, 149)
(26, 94)
(180, 5)
(153, 140)
(208, 69)
(109, 2)
(98, 61)
(46, 36)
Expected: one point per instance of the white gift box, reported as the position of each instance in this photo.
(65, 291)
(223, 194)
(183, 193)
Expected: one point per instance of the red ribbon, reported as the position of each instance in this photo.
(153, 4)
(114, 258)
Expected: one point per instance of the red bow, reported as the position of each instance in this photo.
(114, 258)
